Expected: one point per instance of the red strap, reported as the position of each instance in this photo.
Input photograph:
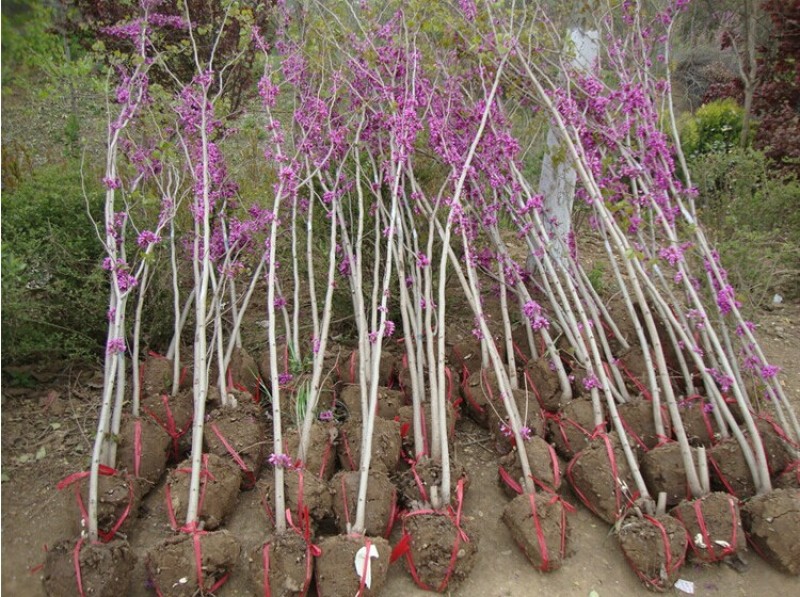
(363, 580)
(249, 475)
(545, 566)
(76, 562)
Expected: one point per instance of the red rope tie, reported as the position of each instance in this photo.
(728, 487)
(636, 381)
(249, 475)
(779, 431)
(326, 457)
(393, 512)
(519, 352)
(345, 504)
(346, 444)
(545, 566)
(536, 393)
(509, 480)
(76, 562)
(363, 580)
(726, 551)
(170, 426)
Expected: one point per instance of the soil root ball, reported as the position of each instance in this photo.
(729, 470)
(386, 443)
(532, 419)
(174, 415)
(118, 499)
(237, 435)
(602, 479)
(481, 394)
(336, 573)
(142, 450)
(572, 428)
(414, 484)
(172, 568)
(545, 384)
(219, 491)
(441, 549)
(302, 492)
(639, 423)
(538, 524)
(321, 453)
(381, 508)
(655, 547)
(405, 416)
(772, 523)
(283, 566)
(105, 568)
(714, 526)
(663, 470)
(545, 468)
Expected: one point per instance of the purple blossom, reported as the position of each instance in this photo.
(280, 460)
(285, 378)
(526, 433)
(726, 300)
(672, 255)
(147, 238)
(769, 371)
(591, 381)
(389, 327)
(469, 9)
(506, 430)
(326, 416)
(111, 183)
(422, 260)
(533, 311)
(115, 345)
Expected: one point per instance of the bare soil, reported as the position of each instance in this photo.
(46, 436)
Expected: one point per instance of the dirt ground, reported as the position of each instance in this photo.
(46, 434)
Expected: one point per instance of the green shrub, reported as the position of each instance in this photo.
(54, 290)
(753, 216)
(715, 127)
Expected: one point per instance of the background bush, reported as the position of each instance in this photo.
(714, 127)
(54, 290)
(753, 217)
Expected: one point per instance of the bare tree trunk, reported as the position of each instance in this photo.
(558, 178)
(748, 67)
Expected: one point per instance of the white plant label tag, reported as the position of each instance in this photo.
(361, 561)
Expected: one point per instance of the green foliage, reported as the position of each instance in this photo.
(54, 291)
(715, 127)
(754, 218)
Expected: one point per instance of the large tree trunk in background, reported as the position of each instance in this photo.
(557, 182)
(749, 68)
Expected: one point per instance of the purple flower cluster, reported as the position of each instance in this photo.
(533, 311)
(280, 461)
